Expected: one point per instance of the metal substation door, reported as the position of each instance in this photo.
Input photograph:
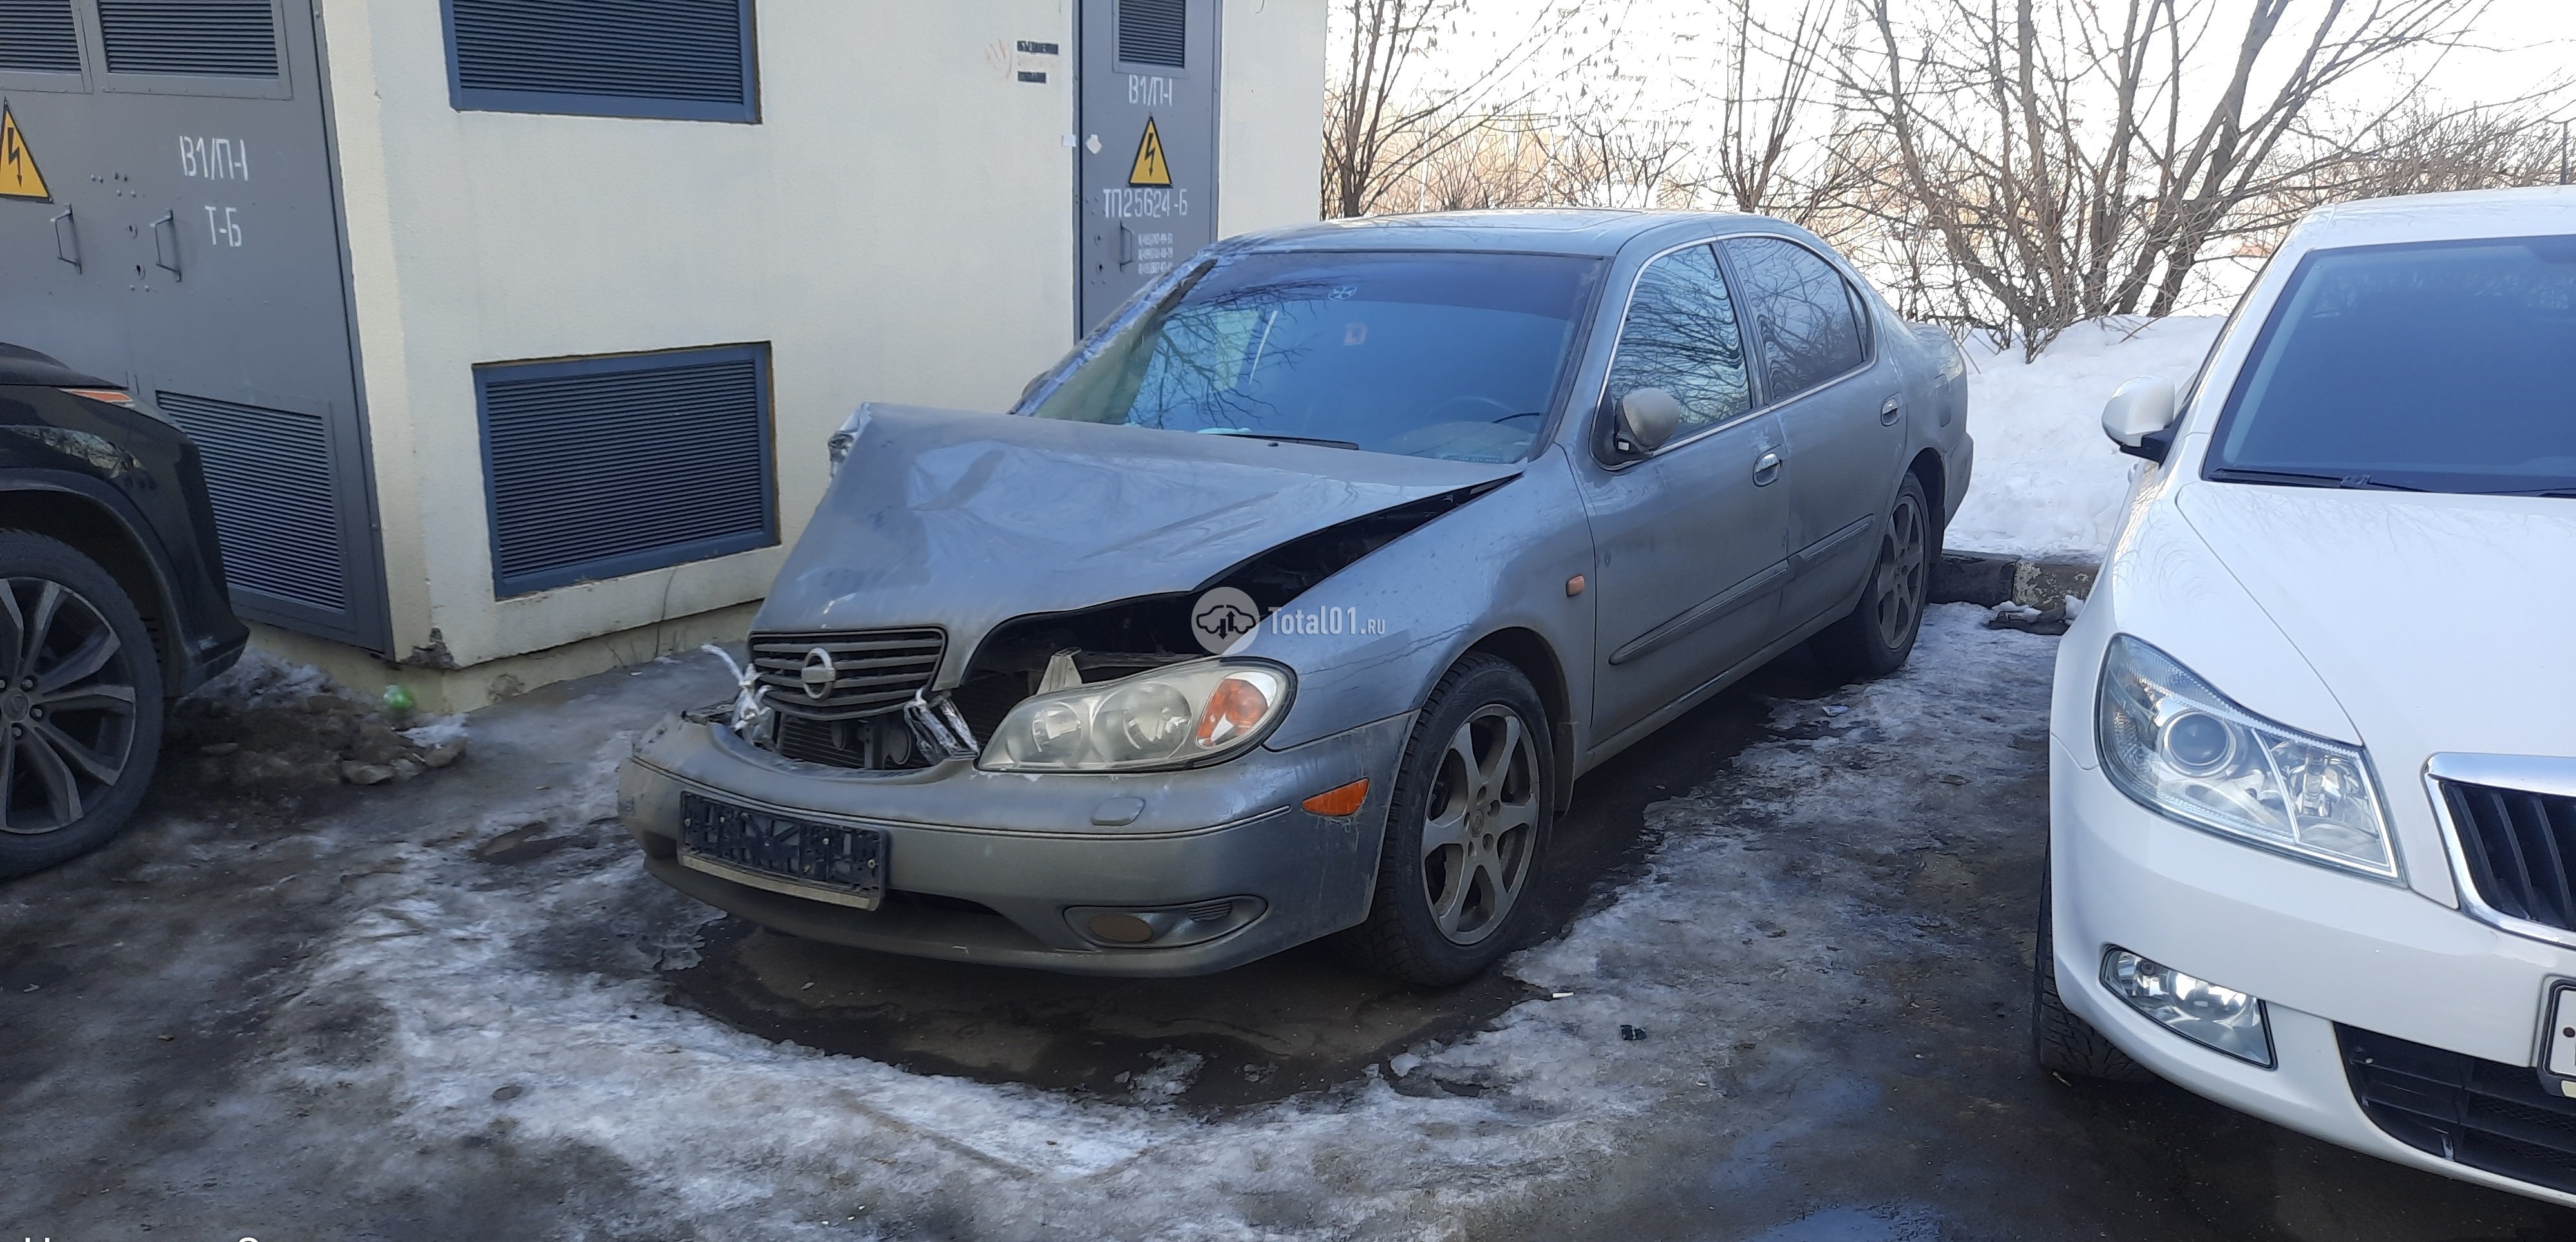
(1148, 73)
(168, 219)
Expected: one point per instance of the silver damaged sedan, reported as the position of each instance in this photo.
(1294, 600)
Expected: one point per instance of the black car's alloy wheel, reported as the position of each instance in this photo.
(80, 706)
(66, 705)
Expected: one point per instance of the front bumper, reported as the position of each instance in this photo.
(983, 866)
(2320, 947)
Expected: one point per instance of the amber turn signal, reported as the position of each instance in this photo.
(1343, 801)
(1574, 586)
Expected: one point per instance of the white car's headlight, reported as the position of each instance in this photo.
(1175, 717)
(2181, 748)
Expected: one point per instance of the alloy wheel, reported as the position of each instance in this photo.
(66, 705)
(1902, 568)
(1480, 825)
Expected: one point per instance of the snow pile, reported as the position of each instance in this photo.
(261, 679)
(2047, 481)
(493, 1030)
(437, 730)
(269, 724)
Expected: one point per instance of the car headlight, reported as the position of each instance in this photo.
(2183, 749)
(1175, 717)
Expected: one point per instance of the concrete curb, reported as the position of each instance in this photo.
(1988, 579)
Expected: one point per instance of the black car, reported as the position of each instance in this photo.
(111, 603)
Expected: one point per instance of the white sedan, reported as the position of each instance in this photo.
(2312, 825)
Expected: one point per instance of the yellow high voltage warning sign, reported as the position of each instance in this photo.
(1150, 168)
(18, 175)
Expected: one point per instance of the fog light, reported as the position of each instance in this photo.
(1121, 928)
(2196, 1009)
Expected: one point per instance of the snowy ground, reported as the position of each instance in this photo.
(2047, 482)
(450, 1013)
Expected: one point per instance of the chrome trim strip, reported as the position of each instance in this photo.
(2540, 774)
(2533, 773)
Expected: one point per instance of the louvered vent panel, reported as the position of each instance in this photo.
(1153, 32)
(268, 474)
(199, 38)
(688, 50)
(616, 466)
(37, 36)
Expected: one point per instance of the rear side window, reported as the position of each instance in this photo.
(2432, 366)
(1801, 311)
(1681, 336)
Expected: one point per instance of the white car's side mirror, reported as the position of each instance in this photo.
(2141, 408)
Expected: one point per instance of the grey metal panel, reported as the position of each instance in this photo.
(1145, 66)
(598, 467)
(202, 211)
(269, 474)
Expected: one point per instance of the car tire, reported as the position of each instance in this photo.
(80, 706)
(2061, 1040)
(1466, 830)
(1877, 635)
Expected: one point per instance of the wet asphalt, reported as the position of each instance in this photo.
(150, 993)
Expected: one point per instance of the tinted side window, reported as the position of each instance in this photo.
(1802, 311)
(1681, 336)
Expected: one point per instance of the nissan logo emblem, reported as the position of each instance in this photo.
(819, 674)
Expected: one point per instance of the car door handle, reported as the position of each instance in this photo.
(1890, 412)
(1766, 469)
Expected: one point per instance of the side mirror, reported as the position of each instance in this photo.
(1647, 418)
(2137, 416)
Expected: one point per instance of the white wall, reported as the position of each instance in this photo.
(1270, 123)
(899, 226)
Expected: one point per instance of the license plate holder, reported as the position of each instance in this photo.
(834, 863)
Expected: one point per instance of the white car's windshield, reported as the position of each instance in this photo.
(1428, 354)
(2446, 367)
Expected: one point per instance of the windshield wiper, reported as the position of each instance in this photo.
(2546, 493)
(1271, 435)
(2296, 478)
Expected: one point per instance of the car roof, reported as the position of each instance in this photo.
(2528, 212)
(21, 365)
(1563, 230)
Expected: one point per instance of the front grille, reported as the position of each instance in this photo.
(2520, 847)
(2484, 1114)
(878, 670)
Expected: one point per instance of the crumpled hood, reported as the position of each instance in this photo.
(940, 517)
(2440, 623)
